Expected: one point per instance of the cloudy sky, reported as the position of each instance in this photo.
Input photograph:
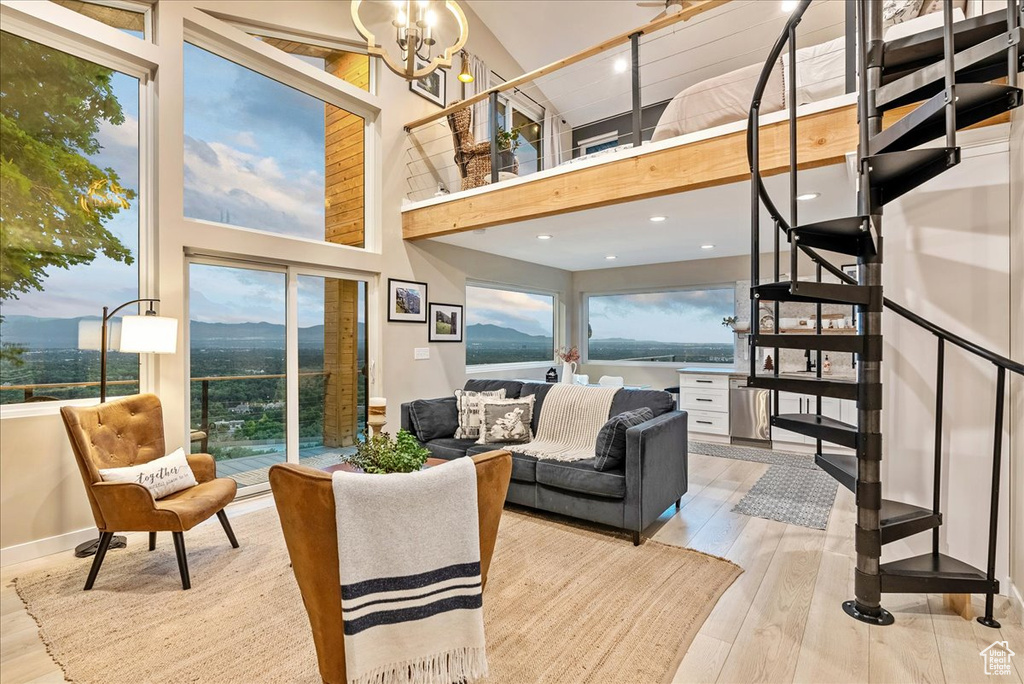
(528, 313)
(685, 316)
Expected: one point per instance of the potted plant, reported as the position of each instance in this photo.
(507, 143)
(382, 454)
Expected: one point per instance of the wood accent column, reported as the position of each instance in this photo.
(344, 213)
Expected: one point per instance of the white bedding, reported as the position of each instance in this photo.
(820, 74)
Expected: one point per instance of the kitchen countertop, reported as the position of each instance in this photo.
(711, 371)
(736, 373)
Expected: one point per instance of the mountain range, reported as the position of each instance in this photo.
(62, 333)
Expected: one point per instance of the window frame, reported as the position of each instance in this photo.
(556, 328)
(114, 49)
(236, 45)
(584, 313)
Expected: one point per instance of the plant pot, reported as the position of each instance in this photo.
(506, 161)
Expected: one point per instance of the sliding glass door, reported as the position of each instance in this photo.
(278, 366)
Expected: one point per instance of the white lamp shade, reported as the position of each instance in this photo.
(90, 333)
(149, 334)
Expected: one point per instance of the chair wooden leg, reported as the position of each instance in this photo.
(179, 550)
(226, 524)
(152, 540)
(97, 560)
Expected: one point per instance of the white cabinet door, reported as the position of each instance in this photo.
(790, 403)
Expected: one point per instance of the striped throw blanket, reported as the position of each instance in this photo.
(570, 418)
(409, 556)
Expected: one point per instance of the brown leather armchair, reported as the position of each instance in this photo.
(128, 432)
(305, 503)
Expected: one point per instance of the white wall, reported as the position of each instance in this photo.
(1015, 416)
(947, 258)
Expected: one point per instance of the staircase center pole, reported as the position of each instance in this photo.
(867, 580)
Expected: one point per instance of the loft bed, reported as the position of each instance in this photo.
(699, 141)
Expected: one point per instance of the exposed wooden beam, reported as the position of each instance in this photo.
(823, 139)
(696, 7)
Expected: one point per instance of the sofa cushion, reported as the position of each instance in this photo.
(434, 418)
(468, 403)
(511, 387)
(611, 439)
(629, 400)
(524, 468)
(539, 390)
(449, 447)
(580, 476)
(506, 421)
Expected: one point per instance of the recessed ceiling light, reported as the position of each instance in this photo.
(789, 5)
(707, 246)
(543, 237)
(620, 65)
(658, 219)
(808, 196)
(611, 257)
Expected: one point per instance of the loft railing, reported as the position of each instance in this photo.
(616, 93)
(760, 196)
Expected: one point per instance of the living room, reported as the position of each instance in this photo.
(268, 184)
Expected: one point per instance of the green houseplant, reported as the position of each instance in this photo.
(382, 454)
(507, 143)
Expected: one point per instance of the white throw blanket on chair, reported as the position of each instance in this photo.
(570, 418)
(409, 557)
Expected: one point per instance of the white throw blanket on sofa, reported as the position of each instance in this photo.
(570, 418)
(409, 559)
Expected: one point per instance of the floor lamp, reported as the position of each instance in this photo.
(146, 334)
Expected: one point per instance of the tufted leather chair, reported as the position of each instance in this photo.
(128, 432)
(305, 503)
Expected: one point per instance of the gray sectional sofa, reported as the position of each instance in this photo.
(654, 475)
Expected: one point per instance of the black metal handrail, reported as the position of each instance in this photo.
(752, 132)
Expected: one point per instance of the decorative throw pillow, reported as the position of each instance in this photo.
(468, 403)
(898, 11)
(506, 421)
(434, 418)
(161, 476)
(611, 440)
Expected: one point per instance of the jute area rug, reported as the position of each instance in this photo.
(562, 604)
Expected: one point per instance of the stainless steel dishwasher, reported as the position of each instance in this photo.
(749, 414)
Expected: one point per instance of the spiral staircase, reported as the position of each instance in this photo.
(961, 73)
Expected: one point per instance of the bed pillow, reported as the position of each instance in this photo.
(611, 439)
(161, 476)
(898, 11)
(434, 418)
(931, 6)
(506, 421)
(468, 403)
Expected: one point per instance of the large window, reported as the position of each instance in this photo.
(507, 326)
(683, 326)
(69, 218)
(262, 155)
(238, 329)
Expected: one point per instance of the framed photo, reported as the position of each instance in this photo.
(433, 87)
(446, 322)
(407, 301)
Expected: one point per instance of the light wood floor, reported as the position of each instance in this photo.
(780, 621)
